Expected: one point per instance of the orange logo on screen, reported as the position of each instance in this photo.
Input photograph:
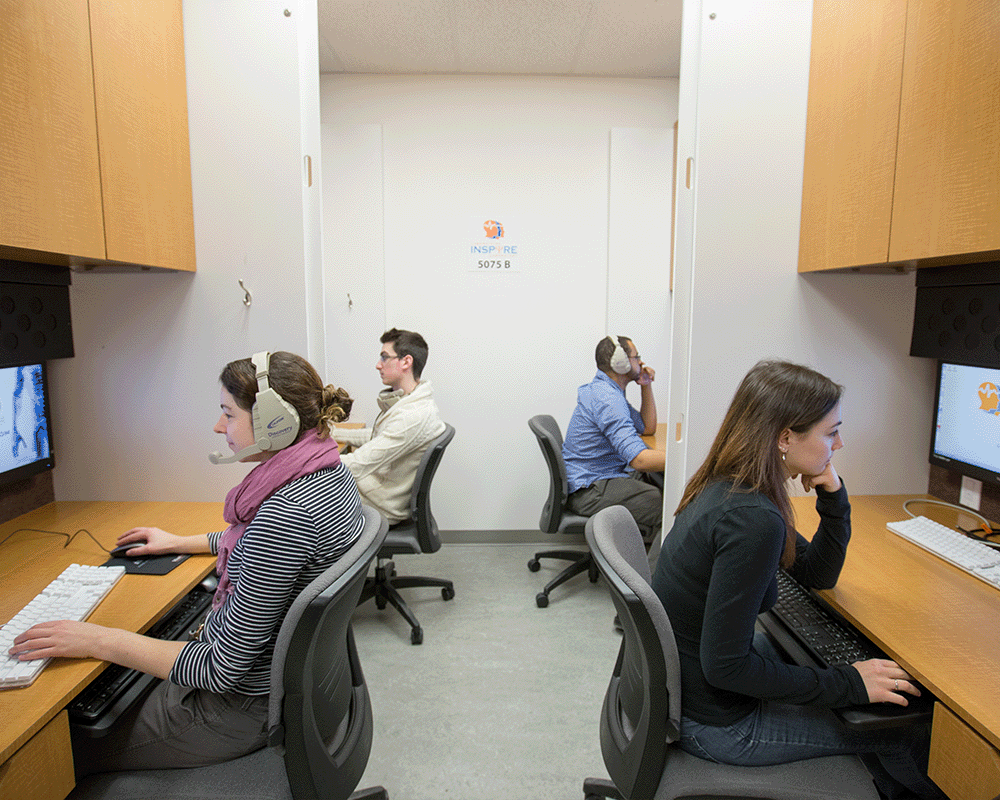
(989, 397)
(494, 230)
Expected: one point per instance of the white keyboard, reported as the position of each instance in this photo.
(974, 557)
(73, 595)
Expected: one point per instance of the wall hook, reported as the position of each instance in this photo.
(248, 298)
(350, 302)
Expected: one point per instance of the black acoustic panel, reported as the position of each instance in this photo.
(958, 323)
(35, 323)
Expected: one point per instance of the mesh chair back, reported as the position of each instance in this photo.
(635, 732)
(420, 497)
(319, 702)
(550, 440)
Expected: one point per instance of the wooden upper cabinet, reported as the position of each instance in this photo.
(854, 85)
(902, 159)
(95, 164)
(49, 170)
(948, 168)
(142, 127)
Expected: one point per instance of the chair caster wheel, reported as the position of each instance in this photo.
(380, 603)
(541, 599)
(447, 592)
(533, 565)
(417, 636)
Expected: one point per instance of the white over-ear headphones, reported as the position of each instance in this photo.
(620, 361)
(275, 420)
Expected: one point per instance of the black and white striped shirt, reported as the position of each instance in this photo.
(296, 534)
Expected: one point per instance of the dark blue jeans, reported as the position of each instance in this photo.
(777, 733)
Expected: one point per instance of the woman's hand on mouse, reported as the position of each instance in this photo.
(886, 681)
(150, 541)
(155, 542)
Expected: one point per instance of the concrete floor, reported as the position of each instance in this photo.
(502, 699)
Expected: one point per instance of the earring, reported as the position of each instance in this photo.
(783, 455)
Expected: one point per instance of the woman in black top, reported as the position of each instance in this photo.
(734, 527)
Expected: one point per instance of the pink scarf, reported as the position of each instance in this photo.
(308, 455)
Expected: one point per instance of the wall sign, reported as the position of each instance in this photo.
(496, 251)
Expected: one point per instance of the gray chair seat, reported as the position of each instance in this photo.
(419, 534)
(319, 712)
(555, 517)
(640, 719)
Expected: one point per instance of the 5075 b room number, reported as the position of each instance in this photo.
(494, 265)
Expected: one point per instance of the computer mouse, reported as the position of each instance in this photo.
(123, 550)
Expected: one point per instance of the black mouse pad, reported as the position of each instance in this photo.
(148, 565)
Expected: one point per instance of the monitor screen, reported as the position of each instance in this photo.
(25, 436)
(966, 435)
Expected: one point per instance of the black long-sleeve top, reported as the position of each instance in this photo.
(716, 573)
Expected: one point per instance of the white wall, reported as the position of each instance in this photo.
(134, 409)
(572, 168)
(743, 109)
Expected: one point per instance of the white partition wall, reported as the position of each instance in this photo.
(508, 341)
(745, 68)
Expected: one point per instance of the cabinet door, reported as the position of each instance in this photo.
(948, 169)
(49, 170)
(142, 127)
(854, 84)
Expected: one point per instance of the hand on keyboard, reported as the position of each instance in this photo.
(63, 638)
(886, 681)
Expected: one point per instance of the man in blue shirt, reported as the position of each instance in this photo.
(607, 463)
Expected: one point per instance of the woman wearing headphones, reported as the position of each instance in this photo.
(742, 704)
(289, 519)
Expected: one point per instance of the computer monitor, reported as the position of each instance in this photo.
(966, 434)
(25, 430)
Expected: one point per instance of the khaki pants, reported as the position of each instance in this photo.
(176, 726)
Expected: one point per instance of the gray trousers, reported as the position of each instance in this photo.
(176, 726)
(640, 492)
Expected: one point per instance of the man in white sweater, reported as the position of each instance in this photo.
(385, 457)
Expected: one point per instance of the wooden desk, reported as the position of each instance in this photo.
(658, 440)
(939, 624)
(28, 562)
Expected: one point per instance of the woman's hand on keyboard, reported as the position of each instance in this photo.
(886, 681)
(64, 638)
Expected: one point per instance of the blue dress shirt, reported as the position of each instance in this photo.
(603, 434)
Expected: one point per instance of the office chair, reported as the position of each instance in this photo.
(319, 713)
(419, 534)
(555, 518)
(640, 720)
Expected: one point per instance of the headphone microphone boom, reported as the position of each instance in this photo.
(275, 420)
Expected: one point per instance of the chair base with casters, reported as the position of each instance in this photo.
(384, 588)
(580, 561)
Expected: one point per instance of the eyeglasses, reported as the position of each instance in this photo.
(637, 357)
(383, 357)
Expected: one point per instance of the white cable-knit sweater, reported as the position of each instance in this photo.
(386, 456)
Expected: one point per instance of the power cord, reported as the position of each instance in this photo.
(68, 541)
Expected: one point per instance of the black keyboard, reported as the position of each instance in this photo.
(811, 635)
(819, 632)
(117, 688)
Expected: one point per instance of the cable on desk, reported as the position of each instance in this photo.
(985, 523)
(69, 538)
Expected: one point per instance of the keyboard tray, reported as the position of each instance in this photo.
(868, 716)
